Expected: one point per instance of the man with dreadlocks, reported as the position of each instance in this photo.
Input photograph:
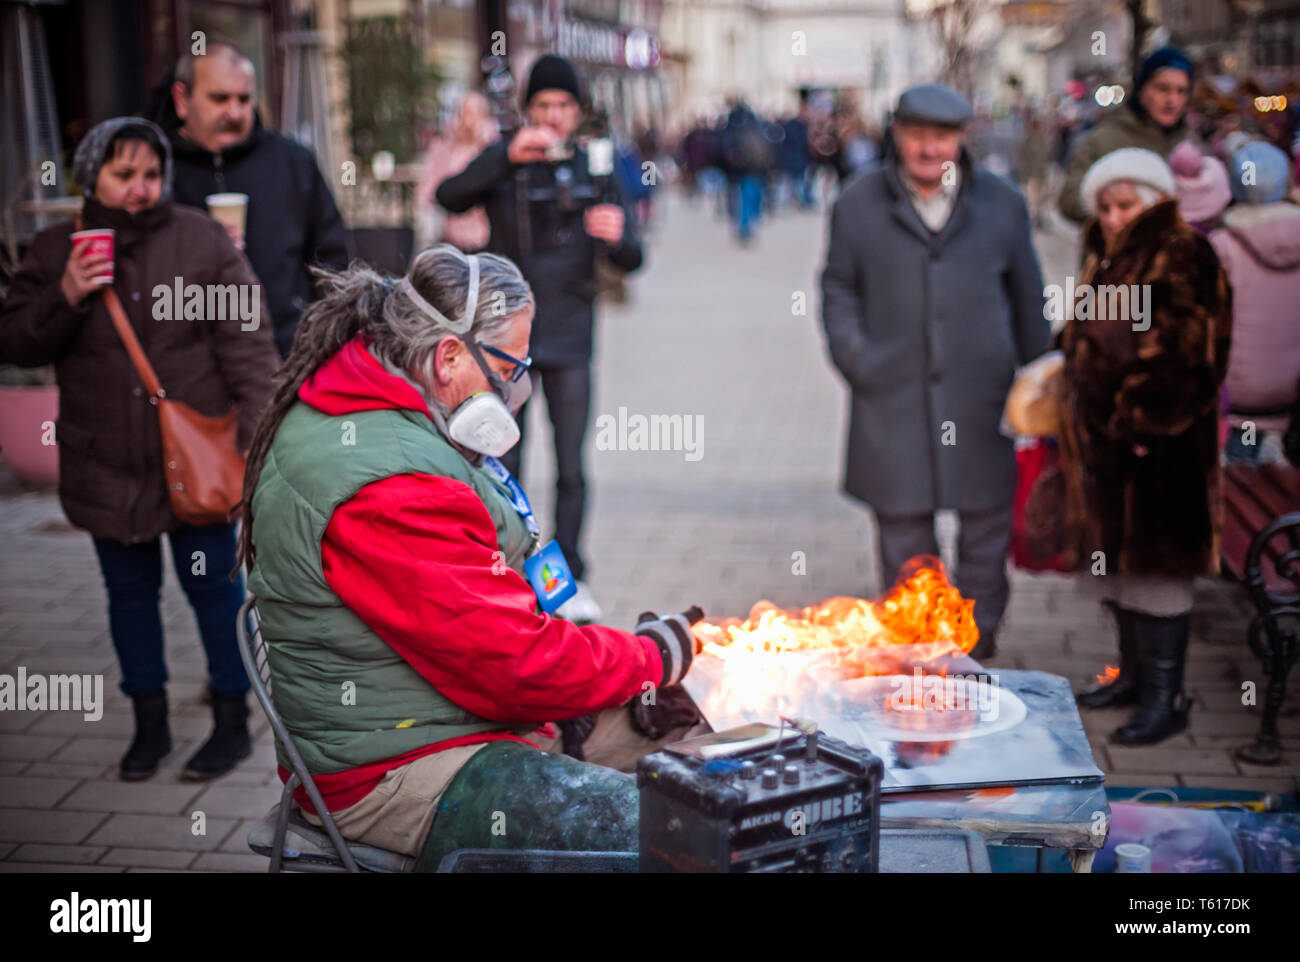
(386, 548)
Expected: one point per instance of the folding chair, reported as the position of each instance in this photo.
(284, 834)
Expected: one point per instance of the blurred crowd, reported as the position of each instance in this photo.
(746, 164)
(380, 418)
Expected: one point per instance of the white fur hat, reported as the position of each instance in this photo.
(1128, 163)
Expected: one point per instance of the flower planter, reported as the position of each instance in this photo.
(24, 413)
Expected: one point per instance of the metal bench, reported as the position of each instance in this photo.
(1261, 548)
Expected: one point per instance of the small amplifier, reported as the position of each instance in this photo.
(758, 799)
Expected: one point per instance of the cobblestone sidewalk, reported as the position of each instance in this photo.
(708, 331)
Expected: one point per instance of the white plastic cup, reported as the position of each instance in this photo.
(1131, 858)
(600, 157)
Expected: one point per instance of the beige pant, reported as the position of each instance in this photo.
(398, 813)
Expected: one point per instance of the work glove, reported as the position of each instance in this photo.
(657, 712)
(672, 635)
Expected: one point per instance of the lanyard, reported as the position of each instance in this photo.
(546, 570)
(517, 496)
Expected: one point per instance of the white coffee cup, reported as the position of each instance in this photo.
(229, 210)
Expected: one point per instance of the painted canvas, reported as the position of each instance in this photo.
(961, 730)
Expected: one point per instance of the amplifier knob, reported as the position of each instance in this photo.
(770, 778)
(791, 775)
(748, 770)
(777, 762)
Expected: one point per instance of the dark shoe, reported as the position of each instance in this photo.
(986, 647)
(1124, 689)
(229, 742)
(1162, 705)
(153, 739)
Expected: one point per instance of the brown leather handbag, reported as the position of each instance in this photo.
(201, 460)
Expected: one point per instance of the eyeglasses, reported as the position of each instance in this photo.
(521, 367)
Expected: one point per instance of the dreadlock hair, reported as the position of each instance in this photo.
(358, 300)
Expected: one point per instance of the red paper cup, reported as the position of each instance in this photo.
(100, 242)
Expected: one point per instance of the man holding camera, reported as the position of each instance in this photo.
(552, 214)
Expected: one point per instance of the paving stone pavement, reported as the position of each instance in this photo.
(711, 331)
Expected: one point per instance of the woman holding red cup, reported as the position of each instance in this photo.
(111, 476)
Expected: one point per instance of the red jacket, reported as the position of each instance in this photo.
(500, 658)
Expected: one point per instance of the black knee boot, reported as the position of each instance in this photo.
(153, 739)
(1162, 706)
(1124, 689)
(228, 743)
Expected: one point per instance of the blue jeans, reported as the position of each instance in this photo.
(133, 576)
(806, 187)
(1238, 452)
(749, 204)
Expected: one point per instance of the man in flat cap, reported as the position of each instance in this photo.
(931, 298)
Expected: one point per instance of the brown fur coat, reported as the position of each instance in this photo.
(1155, 390)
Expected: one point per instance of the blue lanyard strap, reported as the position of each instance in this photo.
(517, 495)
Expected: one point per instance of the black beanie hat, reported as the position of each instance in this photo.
(1162, 57)
(552, 72)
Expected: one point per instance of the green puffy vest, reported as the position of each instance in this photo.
(345, 695)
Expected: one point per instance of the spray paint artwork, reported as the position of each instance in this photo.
(995, 728)
(894, 675)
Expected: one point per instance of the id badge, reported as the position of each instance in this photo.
(550, 577)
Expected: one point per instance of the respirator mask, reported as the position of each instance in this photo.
(484, 422)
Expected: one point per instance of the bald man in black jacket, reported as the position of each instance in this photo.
(220, 146)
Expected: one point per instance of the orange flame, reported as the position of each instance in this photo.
(923, 610)
(774, 661)
(1112, 672)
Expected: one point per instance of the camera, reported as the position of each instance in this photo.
(559, 152)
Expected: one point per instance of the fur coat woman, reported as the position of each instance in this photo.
(1140, 418)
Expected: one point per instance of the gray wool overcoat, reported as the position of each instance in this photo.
(928, 330)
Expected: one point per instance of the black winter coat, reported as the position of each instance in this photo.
(928, 330)
(292, 218)
(560, 260)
